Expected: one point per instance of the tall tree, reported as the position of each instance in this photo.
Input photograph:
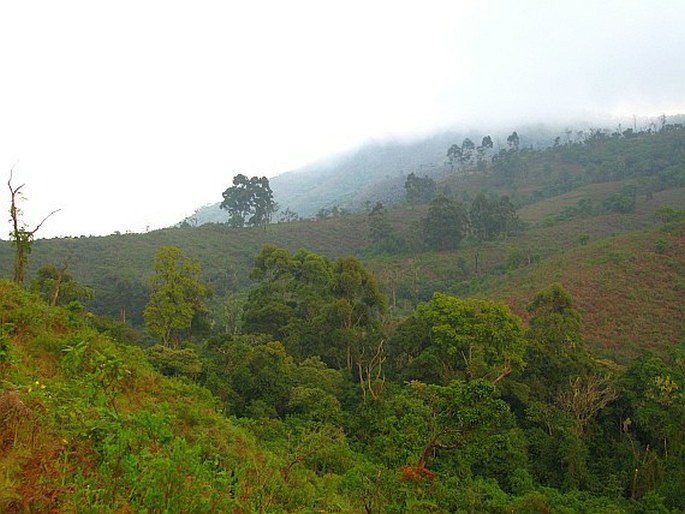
(491, 217)
(177, 297)
(467, 149)
(485, 145)
(21, 237)
(379, 226)
(454, 155)
(513, 141)
(474, 338)
(556, 353)
(445, 224)
(419, 190)
(262, 202)
(249, 201)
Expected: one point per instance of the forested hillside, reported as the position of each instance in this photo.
(374, 172)
(565, 196)
(506, 337)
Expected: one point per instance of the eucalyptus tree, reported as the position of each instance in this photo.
(249, 201)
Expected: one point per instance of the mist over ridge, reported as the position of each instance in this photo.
(376, 170)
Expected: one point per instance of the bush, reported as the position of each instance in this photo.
(175, 362)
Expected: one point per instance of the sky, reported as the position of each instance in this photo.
(129, 115)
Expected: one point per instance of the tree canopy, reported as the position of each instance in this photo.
(419, 189)
(445, 224)
(177, 296)
(249, 202)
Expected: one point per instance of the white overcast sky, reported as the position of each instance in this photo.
(131, 114)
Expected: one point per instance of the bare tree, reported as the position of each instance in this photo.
(584, 397)
(21, 237)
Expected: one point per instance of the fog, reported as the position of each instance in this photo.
(128, 116)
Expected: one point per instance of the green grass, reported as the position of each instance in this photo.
(86, 425)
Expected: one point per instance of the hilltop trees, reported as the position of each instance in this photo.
(249, 201)
(513, 141)
(454, 155)
(463, 155)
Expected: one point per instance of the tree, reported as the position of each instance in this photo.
(422, 423)
(445, 225)
(467, 148)
(21, 237)
(317, 307)
(556, 353)
(453, 155)
(474, 338)
(491, 217)
(555, 321)
(379, 226)
(480, 214)
(419, 190)
(383, 237)
(584, 397)
(249, 201)
(57, 287)
(485, 145)
(460, 413)
(513, 141)
(237, 200)
(262, 202)
(177, 297)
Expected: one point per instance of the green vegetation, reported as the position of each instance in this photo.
(475, 413)
(177, 296)
(513, 345)
(249, 201)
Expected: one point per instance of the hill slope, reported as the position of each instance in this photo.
(86, 425)
(562, 192)
(630, 292)
(346, 181)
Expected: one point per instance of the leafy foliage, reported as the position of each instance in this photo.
(249, 201)
(177, 295)
(308, 395)
(445, 224)
(419, 189)
(59, 287)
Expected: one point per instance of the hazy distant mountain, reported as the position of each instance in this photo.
(377, 171)
(374, 172)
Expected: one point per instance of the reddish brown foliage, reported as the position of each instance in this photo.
(414, 473)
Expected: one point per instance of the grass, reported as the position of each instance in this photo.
(601, 275)
(96, 429)
(631, 296)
